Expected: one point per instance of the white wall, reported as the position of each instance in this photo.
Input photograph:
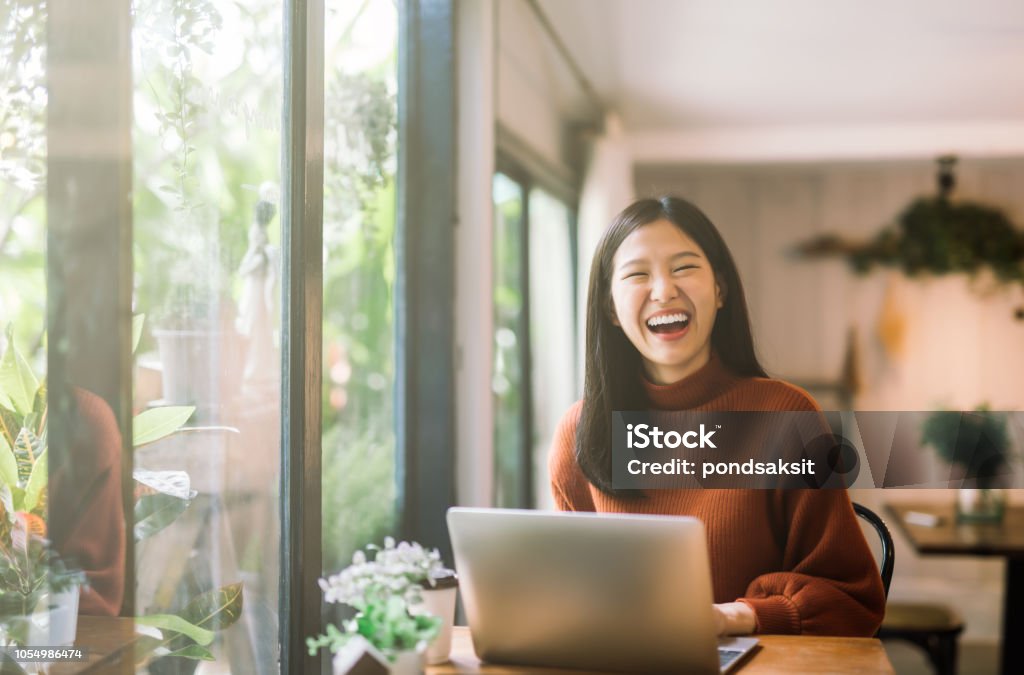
(529, 83)
(960, 347)
(509, 78)
(474, 325)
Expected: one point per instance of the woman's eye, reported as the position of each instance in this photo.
(635, 275)
(683, 268)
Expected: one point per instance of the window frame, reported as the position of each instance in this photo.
(90, 256)
(520, 164)
(425, 287)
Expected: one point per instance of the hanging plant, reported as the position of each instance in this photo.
(937, 236)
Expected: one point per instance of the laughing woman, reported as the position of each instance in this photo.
(668, 329)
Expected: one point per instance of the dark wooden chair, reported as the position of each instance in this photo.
(933, 627)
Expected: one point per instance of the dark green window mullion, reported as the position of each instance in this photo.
(425, 287)
(526, 395)
(89, 254)
(574, 266)
(302, 312)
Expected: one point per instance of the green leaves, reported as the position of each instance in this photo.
(155, 512)
(156, 423)
(17, 383)
(8, 464)
(36, 483)
(137, 322)
(193, 629)
(173, 483)
(216, 610)
(193, 652)
(179, 625)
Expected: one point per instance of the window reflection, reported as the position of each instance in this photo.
(360, 164)
(206, 157)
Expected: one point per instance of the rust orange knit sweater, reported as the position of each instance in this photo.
(796, 557)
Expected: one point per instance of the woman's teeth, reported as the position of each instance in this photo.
(668, 323)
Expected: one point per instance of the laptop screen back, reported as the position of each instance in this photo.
(611, 592)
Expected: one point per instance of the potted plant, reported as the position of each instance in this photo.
(39, 589)
(978, 444)
(385, 586)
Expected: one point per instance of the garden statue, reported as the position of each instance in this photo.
(259, 270)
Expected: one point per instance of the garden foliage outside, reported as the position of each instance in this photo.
(201, 67)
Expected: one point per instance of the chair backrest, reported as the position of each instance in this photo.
(888, 552)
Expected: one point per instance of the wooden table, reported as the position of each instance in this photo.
(107, 638)
(776, 654)
(1005, 539)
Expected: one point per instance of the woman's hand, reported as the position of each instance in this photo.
(734, 618)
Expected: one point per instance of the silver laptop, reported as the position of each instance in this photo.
(594, 591)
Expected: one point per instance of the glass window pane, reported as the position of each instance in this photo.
(552, 327)
(23, 178)
(360, 140)
(24, 582)
(206, 157)
(507, 375)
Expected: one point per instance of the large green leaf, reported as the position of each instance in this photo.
(17, 383)
(155, 512)
(10, 424)
(27, 448)
(138, 321)
(178, 625)
(216, 610)
(39, 402)
(173, 483)
(7, 503)
(36, 483)
(18, 498)
(152, 425)
(193, 652)
(8, 464)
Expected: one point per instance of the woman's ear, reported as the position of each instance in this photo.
(720, 294)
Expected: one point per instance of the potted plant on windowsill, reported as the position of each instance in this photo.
(977, 443)
(39, 589)
(386, 589)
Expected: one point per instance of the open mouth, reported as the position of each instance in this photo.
(668, 323)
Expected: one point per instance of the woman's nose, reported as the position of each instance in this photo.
(663, 288)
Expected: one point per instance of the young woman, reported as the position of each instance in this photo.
(668, 329)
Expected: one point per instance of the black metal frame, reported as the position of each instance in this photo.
(425, 289)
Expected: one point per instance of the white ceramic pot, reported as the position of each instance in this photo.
(53, 624)
(63, 620)
(439, 600)
(408, 663)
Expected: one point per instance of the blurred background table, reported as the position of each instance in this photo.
(1005, 539)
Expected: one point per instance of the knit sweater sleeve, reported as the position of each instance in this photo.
(569, 487)
(831, 584)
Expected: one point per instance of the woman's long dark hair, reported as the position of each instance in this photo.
(613, 365)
